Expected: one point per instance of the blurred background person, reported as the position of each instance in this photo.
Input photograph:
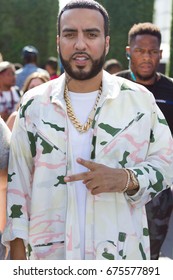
(33, 80)
(167, 246)
(17, 65)
(144, 54)
(112, 66)
(9, 93)
(51, 67)
(30, 61)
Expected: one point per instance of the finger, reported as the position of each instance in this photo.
(95, 191)
(76, 177)
(85, 182)
(87, 163)
(89, 184)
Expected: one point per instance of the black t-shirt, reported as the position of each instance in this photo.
(163, 93)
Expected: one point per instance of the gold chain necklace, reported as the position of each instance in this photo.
(81, 128)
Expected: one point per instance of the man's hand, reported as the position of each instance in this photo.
(100, 178)
(17, 250)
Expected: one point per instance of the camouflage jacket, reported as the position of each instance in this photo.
(129, 131)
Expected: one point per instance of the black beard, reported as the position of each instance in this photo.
(80, 74)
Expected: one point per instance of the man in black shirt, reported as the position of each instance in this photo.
(144, 54)
(162, 89)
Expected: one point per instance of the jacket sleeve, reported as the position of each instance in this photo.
(155, 174)
(19, 184)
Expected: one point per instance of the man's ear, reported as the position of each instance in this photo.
(107, 45)
(128, 52)
(57, 42)
(161, 54)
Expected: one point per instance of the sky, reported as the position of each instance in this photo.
(62, 3)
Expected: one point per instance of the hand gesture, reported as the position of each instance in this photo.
(100, 178)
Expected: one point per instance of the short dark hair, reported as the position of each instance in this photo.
(145, 28)
(86, 4)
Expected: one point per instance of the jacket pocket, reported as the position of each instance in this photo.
(50, 251)
(54, 138)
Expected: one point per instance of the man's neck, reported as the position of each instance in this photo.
(148, 82)
(84, 86)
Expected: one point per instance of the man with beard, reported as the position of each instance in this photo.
(80, 169)
(144, 54)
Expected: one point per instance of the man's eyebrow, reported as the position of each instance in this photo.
(84, 30)
(92, 30)
(69, 30)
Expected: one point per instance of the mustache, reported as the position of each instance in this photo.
(81, 53)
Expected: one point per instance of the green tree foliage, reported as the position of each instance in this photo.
(28, 22)
(123, 14)
(33, 22)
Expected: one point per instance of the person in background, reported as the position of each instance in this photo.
(80, 169)
(112, 66)
(33, 80)
(9, 93)
(51, 66)
(30, 61)
(5, 135)
(144, 54)
(167, 246)
(17, 66)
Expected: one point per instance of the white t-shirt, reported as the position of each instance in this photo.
(82, 104)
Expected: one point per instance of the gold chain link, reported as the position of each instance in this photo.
(81, 128)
